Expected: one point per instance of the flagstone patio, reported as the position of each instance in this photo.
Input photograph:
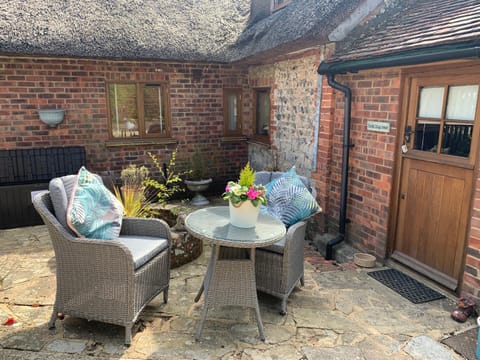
(341, 313)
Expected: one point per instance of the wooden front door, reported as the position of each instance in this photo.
(436, 174)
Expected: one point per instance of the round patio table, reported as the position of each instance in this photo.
(230, 277)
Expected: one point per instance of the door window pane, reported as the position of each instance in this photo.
(430, 103)
(426, 136)
(153, 109)
(462, 102)
(456, 139)
(123, 110)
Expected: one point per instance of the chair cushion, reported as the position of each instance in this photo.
(93, 211)
(262, 177)
(143, 248)
(288, 199)
(278, 247)
(60, 190)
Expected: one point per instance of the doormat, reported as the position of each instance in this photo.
(464, 343)
(406, 286)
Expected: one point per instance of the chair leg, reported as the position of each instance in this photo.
(165, 295)
(53, 319)
(283, 311)
(128, 335)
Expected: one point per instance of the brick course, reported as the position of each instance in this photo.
(79, 87)
(374, 98)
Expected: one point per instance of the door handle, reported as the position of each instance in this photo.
(408, 133)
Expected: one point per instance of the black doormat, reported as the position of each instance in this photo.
(406, 286)
(464, 343)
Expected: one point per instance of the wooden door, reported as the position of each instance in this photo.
(436, 175)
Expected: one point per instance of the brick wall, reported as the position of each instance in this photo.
(294, 84)
(375, 97)
(471, 275)
(79, 87)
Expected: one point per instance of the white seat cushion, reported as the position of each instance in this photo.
(142, 248)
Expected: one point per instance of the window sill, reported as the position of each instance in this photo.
(258, 141)
(136, 142)
(233, 138)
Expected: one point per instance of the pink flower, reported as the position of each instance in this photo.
(227, 188)
(252, 193)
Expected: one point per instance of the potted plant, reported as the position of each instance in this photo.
(198, 179)
(244, 198)
(132, 192)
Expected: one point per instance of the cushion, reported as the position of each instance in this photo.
(288, 199)
(142, 248)
(60, 192)
(93, 211)
(278, 247)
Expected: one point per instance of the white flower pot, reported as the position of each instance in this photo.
(244, 215)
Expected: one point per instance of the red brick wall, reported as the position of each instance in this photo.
(375, 97)
(471, 275)
(79, 87)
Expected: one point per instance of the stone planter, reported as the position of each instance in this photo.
(198, 186)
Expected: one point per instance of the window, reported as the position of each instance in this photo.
(138, 110)
(262, 114)
(232, 110)
(278, 4)
(445, 119)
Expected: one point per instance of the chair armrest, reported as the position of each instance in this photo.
(146, 227)
(295, 238)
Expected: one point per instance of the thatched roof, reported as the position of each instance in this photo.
(186, 30)
(412, 25)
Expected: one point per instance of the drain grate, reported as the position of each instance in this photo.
(406, 286)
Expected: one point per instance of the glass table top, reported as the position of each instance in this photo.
(213, 224)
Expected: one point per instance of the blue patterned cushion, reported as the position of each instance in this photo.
(289, 200)
(93, 211)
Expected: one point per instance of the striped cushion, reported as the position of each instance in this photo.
(289, 200)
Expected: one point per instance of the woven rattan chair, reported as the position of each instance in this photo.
(108, 280)
(279, 267)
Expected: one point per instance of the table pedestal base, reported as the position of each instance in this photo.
(230, 280)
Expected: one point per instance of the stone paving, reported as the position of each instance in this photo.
(340, 313)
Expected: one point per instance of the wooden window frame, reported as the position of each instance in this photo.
(276, 6)
(140, 110)
(442, 81)
(226, 93)
(260, 137)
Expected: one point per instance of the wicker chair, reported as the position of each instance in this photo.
(279, 267)
(108, 280)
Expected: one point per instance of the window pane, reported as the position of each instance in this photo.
(232, 112)
(263, 112)
(154, 112)
(456, 139)
(123, 110)
(426, 136)
(462, 102)
(430, 103)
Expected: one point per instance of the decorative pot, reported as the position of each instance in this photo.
(244, 215)
(51, 117)
(197, 186)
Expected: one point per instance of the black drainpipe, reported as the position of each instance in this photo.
(345, 154)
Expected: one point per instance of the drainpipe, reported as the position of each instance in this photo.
(345, 154)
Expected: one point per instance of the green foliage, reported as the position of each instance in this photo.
(134, 176)
(198, 165)
(247, 176)
(170, 182)
(134, 202)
